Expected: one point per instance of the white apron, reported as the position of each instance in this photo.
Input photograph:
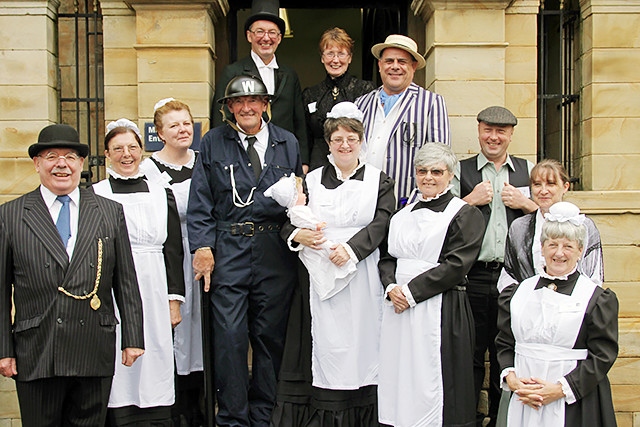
(149, 382)
(545, 326)
(410, 391)
(346, 327)
(187, 336)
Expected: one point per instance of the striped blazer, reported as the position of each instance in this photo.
(423, 118)
(53, 334)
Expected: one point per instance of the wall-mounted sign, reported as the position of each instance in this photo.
(152, 141)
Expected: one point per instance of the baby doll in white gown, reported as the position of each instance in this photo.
(325, 277)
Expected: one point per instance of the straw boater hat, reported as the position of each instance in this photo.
(265, 10)
(401, 42)
(58, 136)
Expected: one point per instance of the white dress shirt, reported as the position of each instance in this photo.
(55, 206)
(267, 73)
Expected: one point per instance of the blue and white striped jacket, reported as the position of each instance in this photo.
(423, 118)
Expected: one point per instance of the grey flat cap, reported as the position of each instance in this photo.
(497, 116)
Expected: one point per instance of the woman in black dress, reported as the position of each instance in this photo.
(558, 335)
(336, 49)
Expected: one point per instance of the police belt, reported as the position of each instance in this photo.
(247, 228)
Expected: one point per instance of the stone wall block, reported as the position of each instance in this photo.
(626, 370)
(621, 265)
(629, 299)
(456, 95)
(121, 101)
(521, 30)
(464, 63)
(121, 31)
(17, 136)
(22, 67)
(178, 64)
(28, 103)
(616, 30)
(121, 65)
(615, 172)
(617, 229)
(625, 398)
(24, 32)
(9, 405)
(166, 26)
(18, 177)
(521, 64)
(521, 99)
(196, 95)
(465, 25)
(612, 135)
(616, 99)
(615, 65)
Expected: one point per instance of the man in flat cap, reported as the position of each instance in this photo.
(264, 29)
(400, 116)
(63, 252)
(498, 184)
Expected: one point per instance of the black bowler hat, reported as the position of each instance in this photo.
(58, 136)
(265, 10)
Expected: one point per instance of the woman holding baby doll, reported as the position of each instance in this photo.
(355, 200)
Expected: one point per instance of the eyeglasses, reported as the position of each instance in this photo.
(53, 157)
(260, 33)
(340, 141)
(436, 173)
(331, 55)
(133, 148)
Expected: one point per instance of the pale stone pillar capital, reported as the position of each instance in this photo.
(425, 8)
(216, 8)
(589, 7)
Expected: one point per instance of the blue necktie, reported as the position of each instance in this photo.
(64, 222)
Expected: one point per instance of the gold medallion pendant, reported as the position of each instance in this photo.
(95, 302)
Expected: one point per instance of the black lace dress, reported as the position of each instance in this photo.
(318, 101)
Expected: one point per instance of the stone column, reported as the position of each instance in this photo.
(158, 49)
(610, 96)
(481, 54)
(29, 89)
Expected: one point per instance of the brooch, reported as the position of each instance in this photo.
(552, 286)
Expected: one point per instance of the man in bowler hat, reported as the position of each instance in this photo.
(264, 31)
(63, 253)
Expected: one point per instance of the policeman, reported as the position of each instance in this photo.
(247, 268)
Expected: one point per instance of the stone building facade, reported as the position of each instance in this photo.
(479, 53)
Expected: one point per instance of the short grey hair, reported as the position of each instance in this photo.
(558, 230)
(433, 153)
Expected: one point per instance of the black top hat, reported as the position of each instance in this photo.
(265, 10)
(58, 136)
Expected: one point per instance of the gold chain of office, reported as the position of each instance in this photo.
(95, 301)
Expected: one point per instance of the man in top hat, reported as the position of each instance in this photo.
(498, 184)
(400, 116)
(264, 30)
(63, 251)
(248, 270)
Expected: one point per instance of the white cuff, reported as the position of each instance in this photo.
(290, 242)
(385, 298)
(176, 297)
(352, 254)
(407, 294)
(569, 397)
(503, 378)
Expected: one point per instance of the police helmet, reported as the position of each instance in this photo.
(244, 86)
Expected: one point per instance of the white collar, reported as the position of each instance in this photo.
(188, 165)
(49, 197)
(262, 133)
(260, 64)
(116, 175)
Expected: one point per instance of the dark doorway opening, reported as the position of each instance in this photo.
(367, 22)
